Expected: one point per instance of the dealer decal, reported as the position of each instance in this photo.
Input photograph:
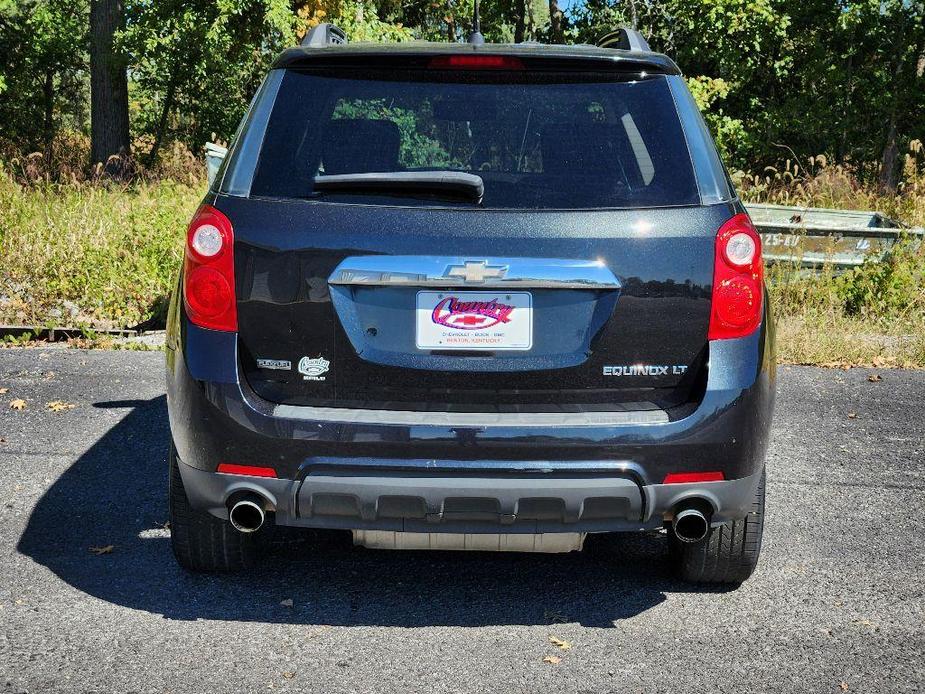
(471, 315)
(313, 369)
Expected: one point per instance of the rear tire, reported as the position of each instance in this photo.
(200, 541)
(729, 553)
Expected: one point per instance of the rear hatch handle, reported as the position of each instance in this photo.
(473, 272)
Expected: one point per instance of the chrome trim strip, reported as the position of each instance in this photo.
(471, 419)
(473, 272)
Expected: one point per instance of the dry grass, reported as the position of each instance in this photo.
(846, 342)
(816, 183)
(90, 255)
(872, 315)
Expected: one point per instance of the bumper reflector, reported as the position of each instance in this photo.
(684, 477)
(251, 470)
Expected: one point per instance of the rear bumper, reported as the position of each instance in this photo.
(438, 472)
(406, 496)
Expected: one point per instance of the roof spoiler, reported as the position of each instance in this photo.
(624, 39)
(324, 35)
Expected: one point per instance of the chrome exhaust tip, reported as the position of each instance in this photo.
(690, 525)
(246, 514)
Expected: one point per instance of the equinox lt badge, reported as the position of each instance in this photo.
(644, 370)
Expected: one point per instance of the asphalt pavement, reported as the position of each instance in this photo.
(837, 603)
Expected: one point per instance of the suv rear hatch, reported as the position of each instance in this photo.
(519, 237)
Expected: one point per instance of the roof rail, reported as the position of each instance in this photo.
(624, 39)
(324, 35)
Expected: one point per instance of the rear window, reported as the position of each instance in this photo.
(536, 143)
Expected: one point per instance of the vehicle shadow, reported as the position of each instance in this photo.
(115, 494)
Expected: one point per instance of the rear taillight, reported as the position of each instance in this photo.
(738, 280)
(208, 272)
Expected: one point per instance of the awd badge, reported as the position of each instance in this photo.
(277, 364)
(312, 369)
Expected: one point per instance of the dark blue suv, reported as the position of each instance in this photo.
(471, 297)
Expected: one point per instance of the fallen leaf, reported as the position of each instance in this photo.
(555, 617)
(873, 378)
(852, 415)
(4, 391)
(844, 686)
(102, 550)
(286, 603)
(18, 404)
(559, 643)
(60, 405)
(552, 660)
(288, 675)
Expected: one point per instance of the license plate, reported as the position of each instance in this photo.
(474, 320)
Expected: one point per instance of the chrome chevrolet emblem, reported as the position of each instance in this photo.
(476, 271)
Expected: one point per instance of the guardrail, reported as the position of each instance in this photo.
(812, 237)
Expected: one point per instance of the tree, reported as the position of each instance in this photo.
(197, 63)
(41, 80)
(556, 30)
(775, 78)
(109, 125)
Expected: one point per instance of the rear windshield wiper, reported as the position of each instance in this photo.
(447, 184)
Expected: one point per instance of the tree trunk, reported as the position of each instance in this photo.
(109, 131)
(530, 33)
(555, 23)
(888, 173)
(162, 121)
(48, 125)
(520, 24)
(888, 160)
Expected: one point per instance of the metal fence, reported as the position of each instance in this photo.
(812, 237)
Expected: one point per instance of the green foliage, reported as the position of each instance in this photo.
(843, 78)
(195, 65)
(42, 73)
(361, 24)
(728, 132)
(894, 289)
(732, 49)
